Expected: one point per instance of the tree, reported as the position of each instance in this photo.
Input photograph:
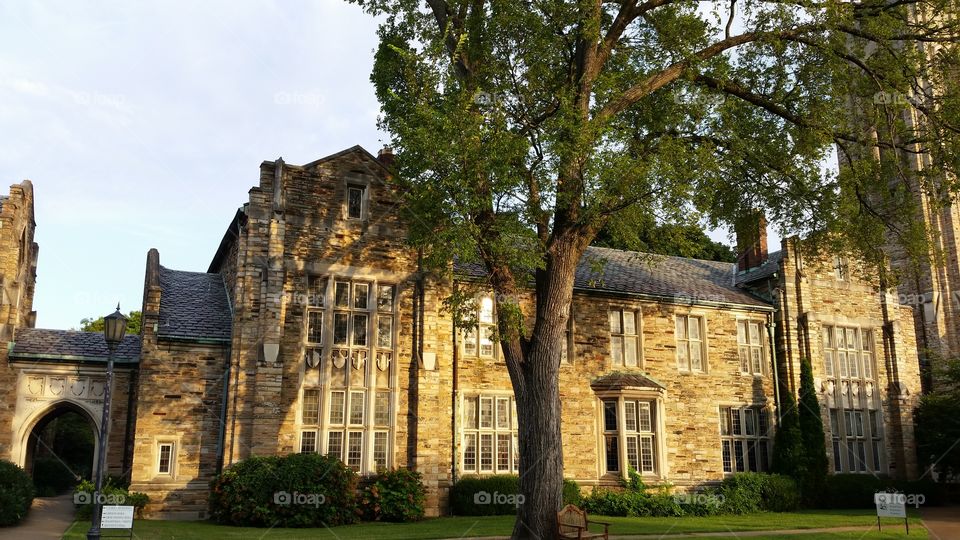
(789, 457)
(522, 127)
(636, 231)
(938, 423)
(813, 482)
(96, 325)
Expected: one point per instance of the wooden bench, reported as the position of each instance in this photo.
(572, 523)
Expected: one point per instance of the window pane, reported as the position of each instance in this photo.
(385, 298)
(360, 330)
(308, 442)
(828, 337)
(335, 444)
(610, 415)
(630, 351)
(724, 420)
(612, 453)
(486, 412)
(361, 293)
(842, 361)
(486, 451)
(166, 458)
(738, 451)
(616, 350)
(385, 332)
(694, 327)
(646, 454)
(727, 462)
(380, 449)
(755, 333)
(828, 363)
(356, 408)
(630, 415)
(841, 342)
(503, 413)
(752, 456)
(340, 328)
(757, 360)
(764, 456)
(336, 407)
(355, 202)
(742, 332)
(629, 323)
(762, 418)
(470, 413)
(486, 309)
(382, 409)
(470, 452)
(837, 463)
(503, 452)
(645, 417)
(851, 338)
(744, 353)
(748, 420)
(470, 343)
(315, 327)
(867, 365)
(486, 344)
(316, 292)
(311, 407)
(696, 362)
(876, 456)
(735, 424)
(681, 327)
(633, 453)
(342, 294)
(853, 358)
(355, 450)
(615, 326)
(682, 360)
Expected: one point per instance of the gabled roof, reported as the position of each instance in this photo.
(765, 270)
(674, 279)
(63, 345)
(354, 148)
(193, 306)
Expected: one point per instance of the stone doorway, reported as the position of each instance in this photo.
(60, 449)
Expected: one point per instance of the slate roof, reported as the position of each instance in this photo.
(193, 306)
(619, 381)
(689, 281)
(765, 270)
(42, 344)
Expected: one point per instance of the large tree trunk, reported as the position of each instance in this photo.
(536, 386)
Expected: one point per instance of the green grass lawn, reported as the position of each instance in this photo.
(456, 527)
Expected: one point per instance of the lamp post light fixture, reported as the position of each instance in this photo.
(114, 328)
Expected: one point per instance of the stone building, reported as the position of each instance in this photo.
(315, 330)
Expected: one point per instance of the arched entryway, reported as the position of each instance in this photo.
(60, 448)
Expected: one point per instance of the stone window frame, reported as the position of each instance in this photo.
(762, 416)
(655, 398)
(364, 186)
(763, 346)
(496, 430)
(621, 308)
(853, 412)
(703, 327)
(841, 268)
(376, 431)
(159, 443)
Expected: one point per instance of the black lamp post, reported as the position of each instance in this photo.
(114, 327)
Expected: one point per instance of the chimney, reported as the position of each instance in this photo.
(386, 156)
(751, 241)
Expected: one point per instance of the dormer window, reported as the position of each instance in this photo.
(355, 201)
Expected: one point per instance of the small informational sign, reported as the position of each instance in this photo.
(116, 517)
(890, 505)
(893, 505)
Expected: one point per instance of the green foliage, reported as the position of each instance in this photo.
(746, 493)
(632, 230)
(937, 421)
(781, 494)
(788, 455)
(464, 494)
(134, 322)
(16, 493)
(814, 474)
(51, 477)
(112, 494)
(296, 490)
(396, 495)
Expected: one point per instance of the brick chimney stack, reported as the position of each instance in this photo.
(751, 241)
(386, 156)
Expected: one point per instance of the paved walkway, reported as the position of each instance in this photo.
(49, 517)
(943, 522)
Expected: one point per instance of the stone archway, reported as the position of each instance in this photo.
(60, 447)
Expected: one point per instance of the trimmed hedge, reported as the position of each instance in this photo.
(743, 493)
(296, 490)
(396, 495)
(856, 490)
(16, 493)
(469, 489)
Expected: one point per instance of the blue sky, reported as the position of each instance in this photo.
(143, 124)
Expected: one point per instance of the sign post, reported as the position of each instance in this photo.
(117, 517)
(891, 505)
